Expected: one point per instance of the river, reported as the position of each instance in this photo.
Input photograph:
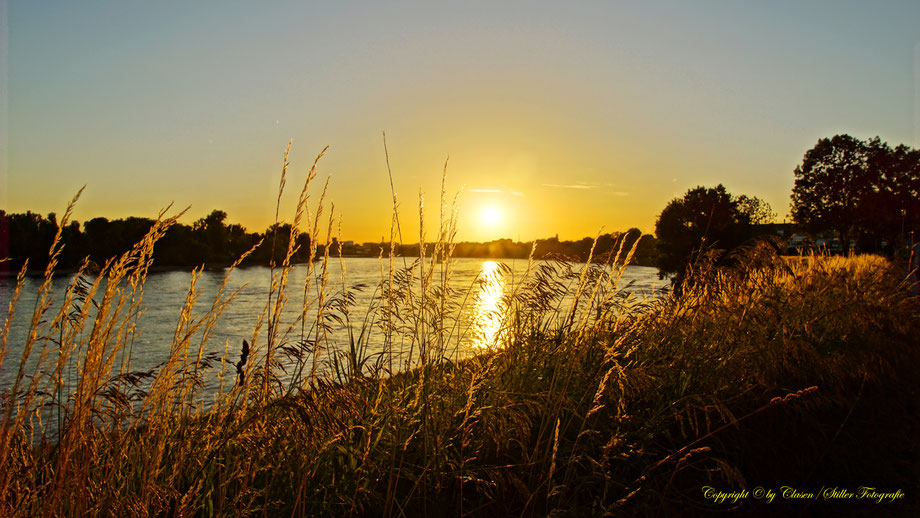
(473, 320)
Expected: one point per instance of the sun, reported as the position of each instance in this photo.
(490, 216)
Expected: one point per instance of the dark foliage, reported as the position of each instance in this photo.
(209, 240)
(704, 219)
(863, 191)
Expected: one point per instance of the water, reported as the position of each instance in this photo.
(474, 323)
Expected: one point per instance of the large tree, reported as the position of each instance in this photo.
(890, 210)
(864, 191)
(705, 217)
(830, 183)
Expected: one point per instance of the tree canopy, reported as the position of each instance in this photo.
(864, 191)
(208, 240)
(705, 217)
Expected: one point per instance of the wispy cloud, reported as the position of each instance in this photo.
(570, 186)
(496, 191)
(620, 193)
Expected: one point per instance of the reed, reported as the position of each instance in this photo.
(590, 401)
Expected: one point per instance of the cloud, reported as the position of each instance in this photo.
(497, 191)
(569, 186)
(620, 193)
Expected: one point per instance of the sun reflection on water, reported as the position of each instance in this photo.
(489, 307)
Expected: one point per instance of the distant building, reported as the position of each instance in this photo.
(798, 241)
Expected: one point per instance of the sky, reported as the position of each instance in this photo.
(554, 118)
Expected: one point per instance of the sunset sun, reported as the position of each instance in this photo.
(490, 216)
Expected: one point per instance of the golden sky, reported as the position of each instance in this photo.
(557, 118)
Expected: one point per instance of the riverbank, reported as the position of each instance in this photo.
(768, 375)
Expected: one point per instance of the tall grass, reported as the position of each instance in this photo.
(589, 402)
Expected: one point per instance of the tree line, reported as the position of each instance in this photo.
(863, 193)
(599, 248)
(212, 241)
(209, 240)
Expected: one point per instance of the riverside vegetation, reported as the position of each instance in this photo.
(770, 371)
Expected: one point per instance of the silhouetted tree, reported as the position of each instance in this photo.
(274, 246)
(240, 241)
(646, 253)
(862, 190)
(890, 210)
(759, 212)
(214, 235)
(108, 239)
(180, 246)
(30, 238)
(832, 181)
(74, 245)
(705, 217)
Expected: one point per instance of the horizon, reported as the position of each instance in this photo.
(556, 121)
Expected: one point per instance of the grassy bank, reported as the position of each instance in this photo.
(773, 372)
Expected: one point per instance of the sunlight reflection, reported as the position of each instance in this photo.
(489, 307)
